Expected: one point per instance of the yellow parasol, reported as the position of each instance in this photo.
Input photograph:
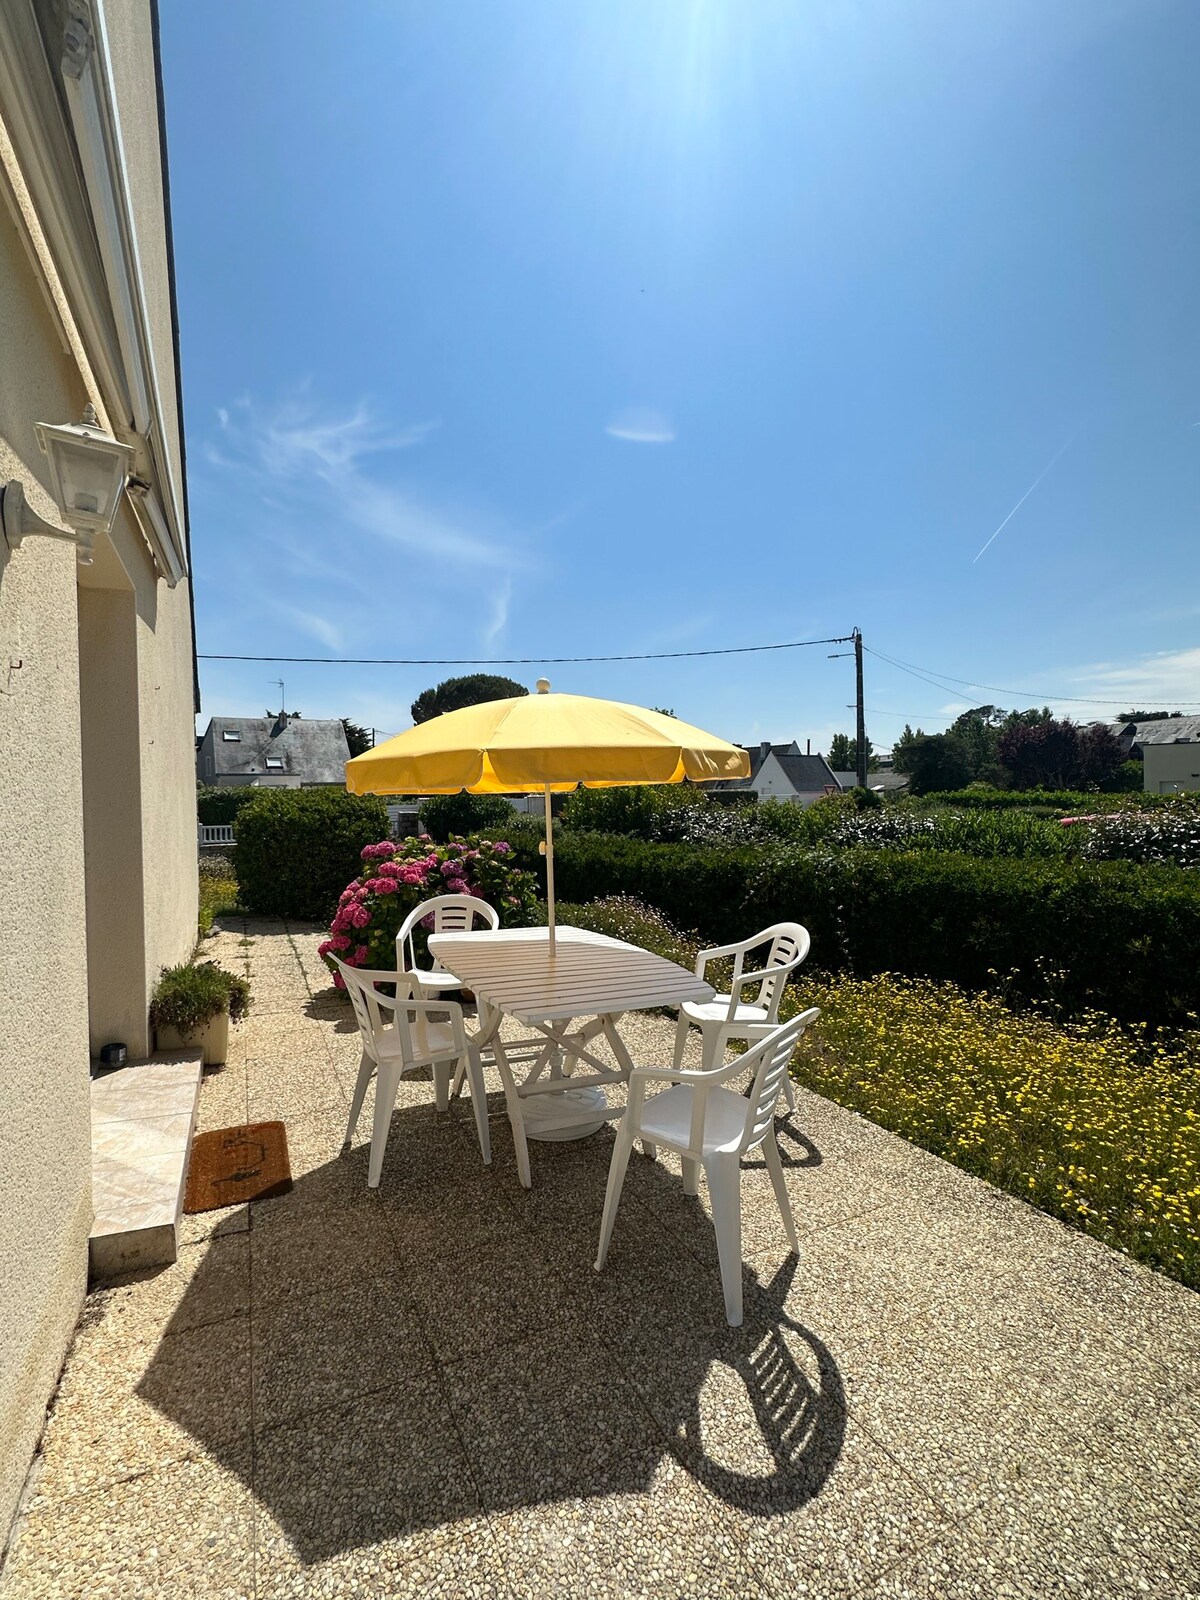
(544, 741)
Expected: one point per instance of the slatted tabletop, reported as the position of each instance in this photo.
(589, 974)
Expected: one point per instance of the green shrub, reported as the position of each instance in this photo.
(1111, 935)
(446, 816)
(622, 917)
(218, 897)
(186, 998)
(215, 806)
(298, 848)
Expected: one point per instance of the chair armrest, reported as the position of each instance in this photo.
(687, 1075)
(703, 957)
(370, 976)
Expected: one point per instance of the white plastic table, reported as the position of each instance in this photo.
(514, 974)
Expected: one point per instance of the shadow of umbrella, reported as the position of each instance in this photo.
(438, 1350)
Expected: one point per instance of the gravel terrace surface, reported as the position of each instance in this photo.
(429, 1390)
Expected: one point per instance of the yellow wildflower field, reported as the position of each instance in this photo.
(1096, 1123)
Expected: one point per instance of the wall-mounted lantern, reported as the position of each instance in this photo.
(88, 470)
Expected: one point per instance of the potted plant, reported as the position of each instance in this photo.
(194, 1005)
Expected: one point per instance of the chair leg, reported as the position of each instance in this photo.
(725, 1194)
(612, 1193)
(441, 1085)
(366, 1070)
(789, 1094)
(516, 1116)
(691, 1176)
(681, 1033)
(473, 1067)
(387, 1081)
(770, 1152)
(459, 1075)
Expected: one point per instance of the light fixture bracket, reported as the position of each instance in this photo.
(18, 520)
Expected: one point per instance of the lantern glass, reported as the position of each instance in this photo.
(89, 468)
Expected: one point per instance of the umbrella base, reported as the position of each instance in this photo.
(545, 1114)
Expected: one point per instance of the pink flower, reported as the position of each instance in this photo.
(360, 955)
(360, 917)
(338, 981)
(424, 838)
(389, 869)
(502, 847)
(325, 948)
(386, 885)
(339, 942)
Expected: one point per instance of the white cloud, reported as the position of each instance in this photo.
(1167, 679)
(501, 600)
(641, 425)
(310, 622)
(310, 464)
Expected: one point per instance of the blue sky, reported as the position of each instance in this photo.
(608, 327)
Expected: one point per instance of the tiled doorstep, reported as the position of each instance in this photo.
(142, 1122)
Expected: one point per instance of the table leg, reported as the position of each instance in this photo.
(625, 1062)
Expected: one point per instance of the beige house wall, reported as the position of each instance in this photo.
(98, 882)
(45, 1136)
(1169, 768)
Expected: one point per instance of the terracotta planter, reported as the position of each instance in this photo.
(213, 1039)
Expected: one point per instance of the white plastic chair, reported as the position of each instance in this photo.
(451, 913)
(709, 1125)
(403, 1042)
(735, 1016)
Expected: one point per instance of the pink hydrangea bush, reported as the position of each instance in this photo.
(398, 875)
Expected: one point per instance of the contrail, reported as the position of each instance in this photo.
(1062, 447)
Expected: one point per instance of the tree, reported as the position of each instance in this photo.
(357, 738)
(843, 754)
(1148, 716)
(979, 730)
(454, 693)
(936, 762)
(1054, 754)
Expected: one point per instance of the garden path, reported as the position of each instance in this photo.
(427, 1389)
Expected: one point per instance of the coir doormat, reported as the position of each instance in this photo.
(236, 1164)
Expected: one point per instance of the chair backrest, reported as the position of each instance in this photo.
(774, 1056)
(451, 913)
(789, 945)
(372, 1018)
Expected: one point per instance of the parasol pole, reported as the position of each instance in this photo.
(550, 867)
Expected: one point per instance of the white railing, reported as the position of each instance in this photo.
(215, 833)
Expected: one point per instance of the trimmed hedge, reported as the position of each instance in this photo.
(1110, 935)
(298, 848)
(1060, 801)
(215, 806)
(450, 816)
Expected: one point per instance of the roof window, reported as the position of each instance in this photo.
(231, 736)
(274, 764)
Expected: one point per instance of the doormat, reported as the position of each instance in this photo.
(237, 1164)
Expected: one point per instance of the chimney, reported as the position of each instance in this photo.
(765, 748)
(808, 747)
(281, 722)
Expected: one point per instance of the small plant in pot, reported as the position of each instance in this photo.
(194, 1005)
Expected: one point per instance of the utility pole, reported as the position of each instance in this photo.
(860, 730)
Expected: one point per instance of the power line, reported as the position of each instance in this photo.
(1019, 694)
(524, 661)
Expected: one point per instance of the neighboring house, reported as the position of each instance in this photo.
(279, 752)
(883, 782)
(98, 876)
(1169, 748)
(781, 772)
